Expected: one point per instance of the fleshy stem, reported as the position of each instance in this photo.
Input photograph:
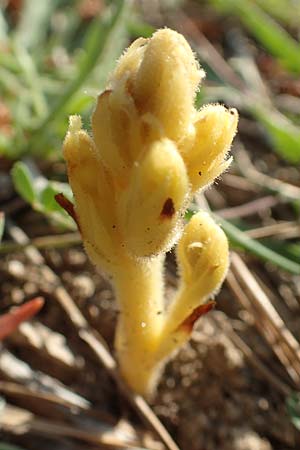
(139, 290)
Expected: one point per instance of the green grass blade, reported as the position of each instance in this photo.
(283, 10)
(284, 135)
(116, 43)
(290, 250)
(266, 30)
(239, 239)
(23, 182)
(32, 78)
(99, 34)
(34, 22)
(274, 38)
(82, 101)
(3, 27)
(137, 28)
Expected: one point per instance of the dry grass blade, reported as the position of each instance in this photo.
(136, 401)
(45, 404)
(17, 390)
(207, 51)
(92, 338)
(269, 322)
(269, 183)
(45, 348)
(247, 209)
(17, 420)
(252, 357)
(44, 401)
(240, 183)
(283, 230)
(53, 241)
(244, 300)
(15, 370)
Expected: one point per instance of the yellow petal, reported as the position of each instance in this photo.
(109, 136)
(93, 193)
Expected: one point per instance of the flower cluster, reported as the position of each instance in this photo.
(151, 150)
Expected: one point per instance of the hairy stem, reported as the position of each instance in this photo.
(139, 289)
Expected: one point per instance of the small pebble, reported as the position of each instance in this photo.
(16, 269)
(30, 288)
(17, 295)
(84, 286)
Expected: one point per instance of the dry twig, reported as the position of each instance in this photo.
(247, 209)
(266, 317)
(18, 420)
(253, 359)
(53, 241)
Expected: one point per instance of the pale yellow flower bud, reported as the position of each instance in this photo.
(116, 132)
(203, 257)
(203, 249)
(206, 153)
(150, 209)
(94, 196)
(166, 82)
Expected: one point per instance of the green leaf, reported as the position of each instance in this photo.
(24, 182)
(47, 196)
(5, 146)
(39, 192)
(284, 135)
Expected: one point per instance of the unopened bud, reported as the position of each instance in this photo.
(151, 208)
(93, 193)
(202, 254)
(206, 154)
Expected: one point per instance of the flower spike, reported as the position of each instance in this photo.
(149, 152)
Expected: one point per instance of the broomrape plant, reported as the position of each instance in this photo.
(132, 181)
